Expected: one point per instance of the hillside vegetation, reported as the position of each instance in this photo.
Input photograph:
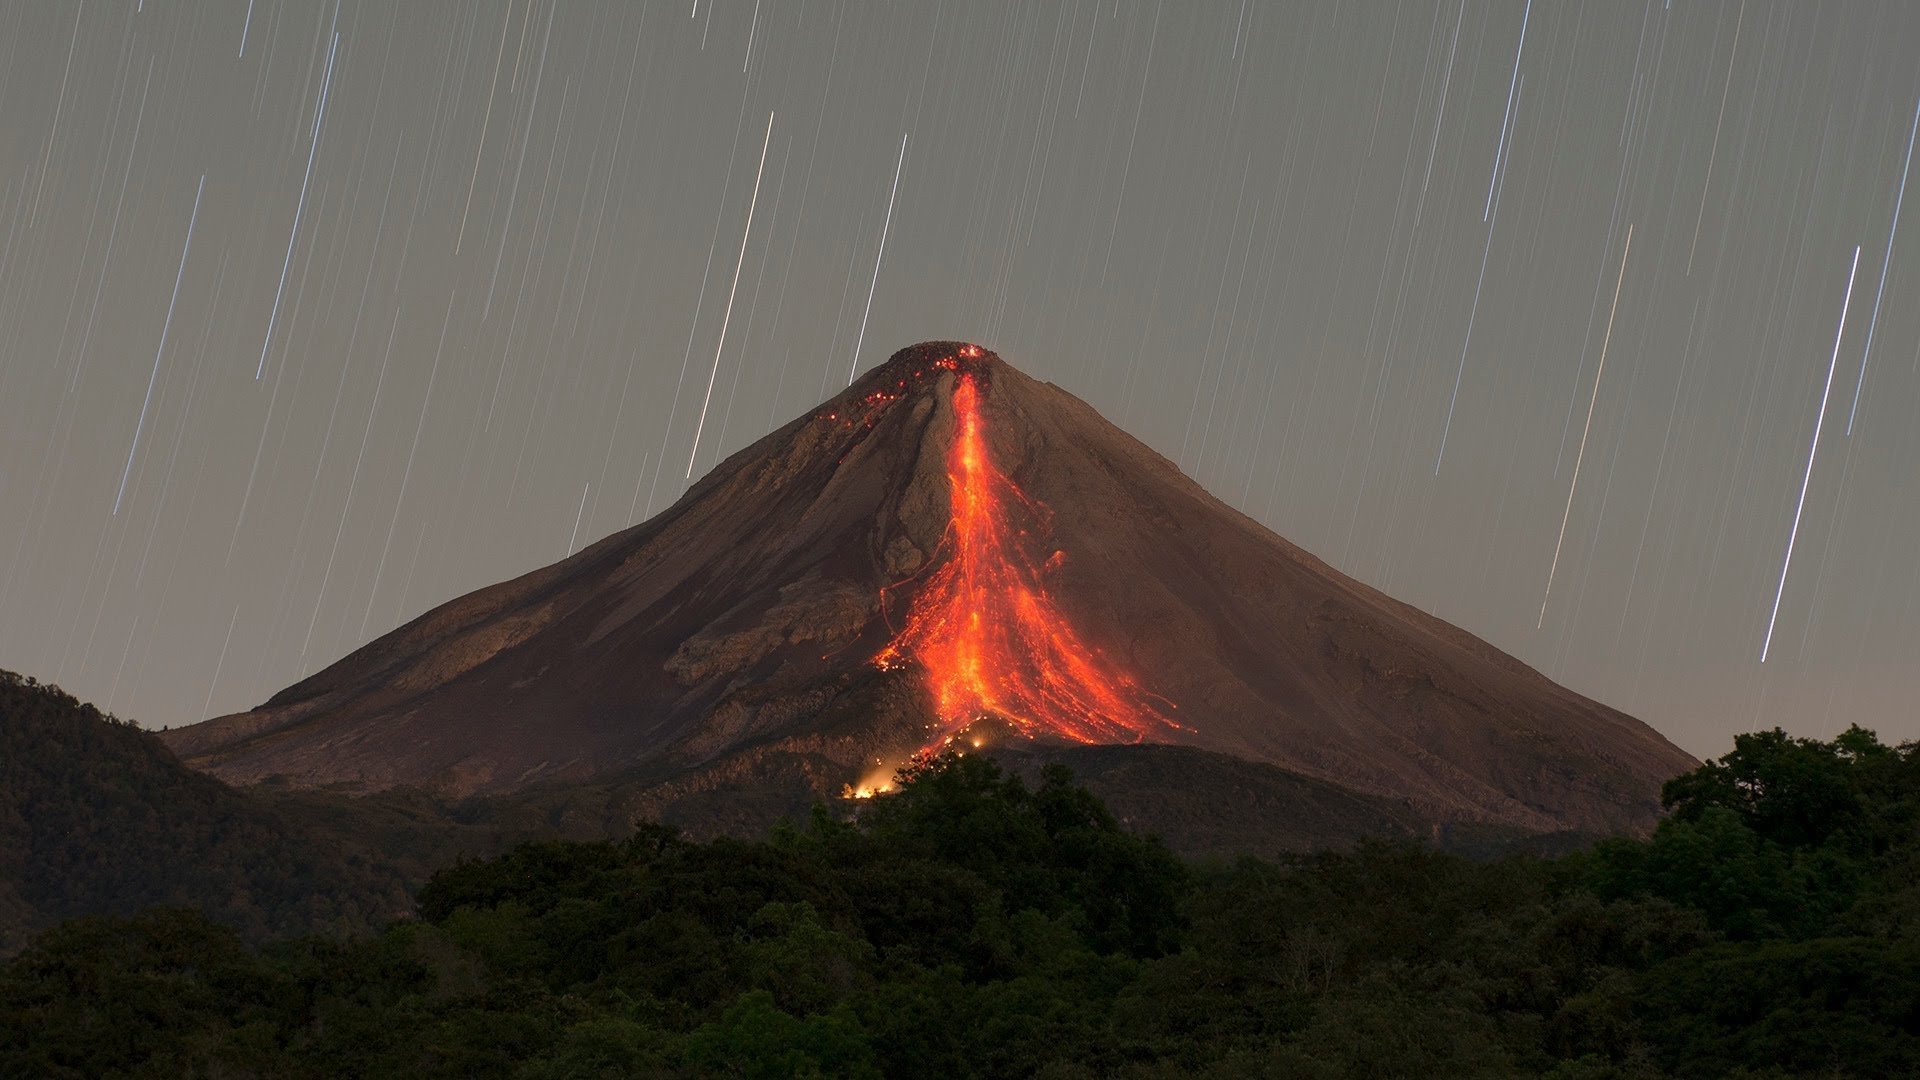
(974, 925)
(98, 817)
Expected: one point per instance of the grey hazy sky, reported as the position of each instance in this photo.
(473, 323)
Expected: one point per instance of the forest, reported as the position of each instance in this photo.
(974, 925)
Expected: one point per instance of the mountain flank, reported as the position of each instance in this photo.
(773, 626)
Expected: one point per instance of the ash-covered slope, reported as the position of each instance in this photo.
(745, 621)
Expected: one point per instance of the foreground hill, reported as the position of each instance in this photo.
(800, 617)
(98, 817)
(971, 925)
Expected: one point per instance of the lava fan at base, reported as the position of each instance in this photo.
(987, 634)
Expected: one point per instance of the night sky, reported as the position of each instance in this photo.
(1588, 327)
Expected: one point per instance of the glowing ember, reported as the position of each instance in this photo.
(985, 631)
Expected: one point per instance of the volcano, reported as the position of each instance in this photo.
(948, 553)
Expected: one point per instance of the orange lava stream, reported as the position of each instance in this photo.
(986, 633)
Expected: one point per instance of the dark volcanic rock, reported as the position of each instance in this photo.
(738, 625)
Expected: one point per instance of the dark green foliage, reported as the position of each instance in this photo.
(1803, 793)
(972, 926)
(1056, 849)
(122, 993)
(97, 817)
(1805, 1006)
(753, 1038)
(1782, 837)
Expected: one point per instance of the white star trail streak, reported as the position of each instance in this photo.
(759, 286)
(406, 474)
(1473, 312)
(1574, 485)
(59, 104)
(854, 367)
(526, 138)
(1714, 153)
(113, 231)
(1513, 84)
(1873, 323)
(751, 28)
(486, 118)
(1139, 107)
(1813, 450)
(353, 481)
(293, 234)
(745, 234)
(574, 537)
(700, 300)
(1440, 113)
(161, 349)
(207, 706)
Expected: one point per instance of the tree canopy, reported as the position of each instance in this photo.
(972, 925)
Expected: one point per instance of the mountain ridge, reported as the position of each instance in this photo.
(751, 609)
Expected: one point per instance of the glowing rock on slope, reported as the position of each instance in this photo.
(986, 633)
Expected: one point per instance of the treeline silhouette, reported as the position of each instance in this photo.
(972, 925)
(96, 816)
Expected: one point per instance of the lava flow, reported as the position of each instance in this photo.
(986, 633)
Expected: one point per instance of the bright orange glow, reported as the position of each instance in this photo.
(986, 633)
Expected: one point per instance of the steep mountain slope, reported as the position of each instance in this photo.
(836, 594)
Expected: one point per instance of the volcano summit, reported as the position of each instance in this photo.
(947, 550)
